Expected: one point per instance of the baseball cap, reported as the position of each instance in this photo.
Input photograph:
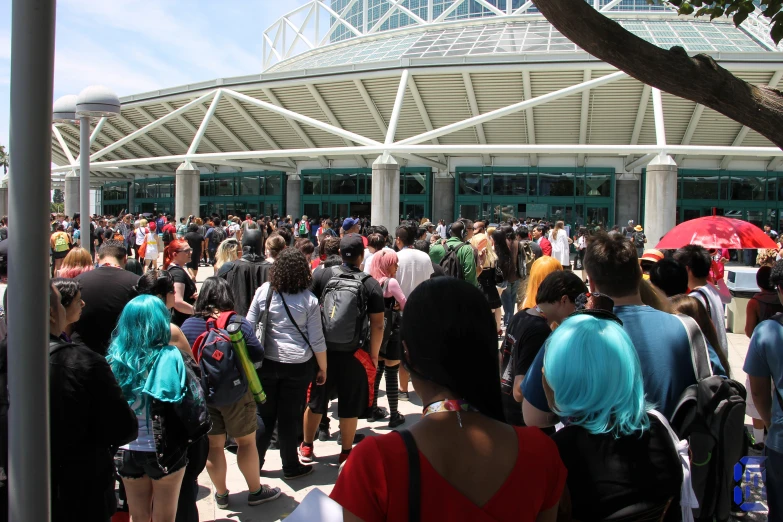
(351, 246)
(349, 222)
(428, 224)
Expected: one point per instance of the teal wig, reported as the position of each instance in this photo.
(142, 330)
(594, 371)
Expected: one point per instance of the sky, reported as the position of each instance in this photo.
(134, 46)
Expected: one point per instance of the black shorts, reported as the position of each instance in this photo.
(350, 379)
(136, 464)
(193, 265)
(60, 255)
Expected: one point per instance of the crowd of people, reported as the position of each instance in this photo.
(521, 362)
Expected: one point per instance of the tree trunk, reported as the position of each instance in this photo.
(697, 78)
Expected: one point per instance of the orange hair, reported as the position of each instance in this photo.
(542, 267)
(170, 251)
(76, 262)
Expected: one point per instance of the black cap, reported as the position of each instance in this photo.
(351, 246)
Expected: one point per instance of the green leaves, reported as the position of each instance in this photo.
(737, 9)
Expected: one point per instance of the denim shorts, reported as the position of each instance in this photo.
(136, 464)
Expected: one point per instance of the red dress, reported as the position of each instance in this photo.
(374, 484)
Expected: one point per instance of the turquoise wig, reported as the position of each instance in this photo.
(142, 331)
(594, 371)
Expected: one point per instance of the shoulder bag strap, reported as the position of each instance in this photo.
(414, 476)
(706, 297)
(291, 317)
(262, 323)
(700, 356)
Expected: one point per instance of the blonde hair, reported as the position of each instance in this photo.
(542, 267)
(227, 251)
(558, 226)
(142, 223)
(274, 245)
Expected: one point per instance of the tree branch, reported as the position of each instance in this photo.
(699, 78)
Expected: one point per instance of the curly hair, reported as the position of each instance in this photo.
(291, 272)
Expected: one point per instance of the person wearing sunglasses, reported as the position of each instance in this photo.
(619, 454)
(175, 258)
(460, 461)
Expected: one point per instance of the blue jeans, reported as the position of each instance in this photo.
(774, 484)
(509, 300)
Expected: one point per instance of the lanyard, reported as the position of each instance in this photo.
(448, 405)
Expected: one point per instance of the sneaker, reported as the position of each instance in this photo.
(323, 434)
(306, 454)
(303, 471)
(396, 419)
(221, 500)
(357, 438)
(378, 413)
(265, 494)
(343, 457)
(403, 396)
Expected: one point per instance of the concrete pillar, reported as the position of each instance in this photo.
(443, 198)
(132, 198)
(293, 200)
(3, 201)
(186, 191)
(72, 198)
(660, 209)
(626, 201)
(385, 208)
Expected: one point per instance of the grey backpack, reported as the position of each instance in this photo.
(344, 311)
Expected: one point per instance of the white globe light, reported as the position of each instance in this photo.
(97, 101)
(64, 109)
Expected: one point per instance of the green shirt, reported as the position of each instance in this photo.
(465, 255)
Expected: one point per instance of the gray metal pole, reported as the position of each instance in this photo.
(84, 185)
(32, 74)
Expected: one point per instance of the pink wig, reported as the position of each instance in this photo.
(381, 263)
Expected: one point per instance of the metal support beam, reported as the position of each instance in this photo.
(524, 7)
(62, 143)
(32, 77)
(690, 130)
(610, 5)
(773, 83)
(529, 117)
(373, 110)
(257, 127)
(155, 145)
(339, 18)
(446, 12)
(395, 117)
(772, 165)
(425, 117)
(660, 130)
(332, 119)
(205, 122)
(583, 117)
(474, 111)
(173, 137)
(192, 128)
(644, 160)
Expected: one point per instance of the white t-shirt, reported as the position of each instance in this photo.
(715, 309)
(560, 247)
(414, 268)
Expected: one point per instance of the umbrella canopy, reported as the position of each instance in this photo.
(716, 232)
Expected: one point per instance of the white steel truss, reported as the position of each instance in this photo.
(300, 30)
(421, 148)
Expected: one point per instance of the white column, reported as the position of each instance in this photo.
(72, 198)
(3, 201)
(443, 197)
(186, 191)
(132, 198)
(385, 208)
(293, 200)
(660, 210)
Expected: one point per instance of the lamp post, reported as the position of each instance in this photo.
(95, 101)
(64, 111)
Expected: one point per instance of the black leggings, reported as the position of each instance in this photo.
(392, 383)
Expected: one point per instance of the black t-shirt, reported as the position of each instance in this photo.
(196, 242)
(105, 292)
(99, 235)
(375, 304)
(525, 336)
(606, 474)
(179, 275)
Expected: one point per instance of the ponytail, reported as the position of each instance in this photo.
(170, 251)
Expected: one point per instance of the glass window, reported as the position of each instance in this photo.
(224, 187)
(772, 189)
(597, 216)
(342, 184)
(365, 183)
(249, 186)
(556, 184)
(312, 184)
(312, 210)
(579, 181)
(274, 186)
(504, 213)
(165, 189)
(468, 211)
(206, 188)
(700, 187)
(598, 185)
(415, 183)
(470, 184)
(747, 189)
(412, 212)
(510, 183)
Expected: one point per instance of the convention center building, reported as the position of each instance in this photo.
(442, 109)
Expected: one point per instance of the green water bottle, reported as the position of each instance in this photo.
(240, 348)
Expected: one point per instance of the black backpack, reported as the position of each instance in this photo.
(344, 311)
(218, 235)
(167, 236)
(451, 264)
(222, 378)
(638, 240)
(711, 416)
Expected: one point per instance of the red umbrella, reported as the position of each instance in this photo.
(716, 232)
